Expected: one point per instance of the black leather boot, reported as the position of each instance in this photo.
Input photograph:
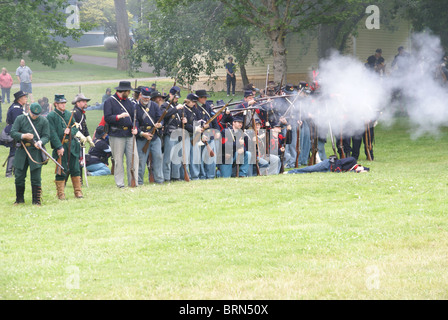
(20, 191)
(37, 195)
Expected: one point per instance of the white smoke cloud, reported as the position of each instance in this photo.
(351, 95)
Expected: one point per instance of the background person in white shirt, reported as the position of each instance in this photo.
(25, 77)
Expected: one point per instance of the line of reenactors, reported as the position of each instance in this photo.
(262, 135)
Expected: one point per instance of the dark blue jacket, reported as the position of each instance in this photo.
(14, 111)
(119, 127)
(145, 123)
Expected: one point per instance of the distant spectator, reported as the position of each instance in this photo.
(376, 62)
(106, 96)
(230, 80)
(153, 87)
(401, 60)
(98, 106)
(5, 84)
(25, 77)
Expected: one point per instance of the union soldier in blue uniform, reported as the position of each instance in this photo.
(119, 115)
(172, 122)
(15, 110)
(148, 115)
(98, 157)
(33, 132)
(208, 160)
(192, 116)
(234, 150)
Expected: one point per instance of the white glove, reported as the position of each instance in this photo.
(90, 141)
(81, 137)
(38, 144)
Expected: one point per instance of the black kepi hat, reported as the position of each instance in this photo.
(156, 94)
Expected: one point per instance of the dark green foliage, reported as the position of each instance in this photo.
(28, 27)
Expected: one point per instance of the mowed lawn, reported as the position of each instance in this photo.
(67, 72)
(376, 235)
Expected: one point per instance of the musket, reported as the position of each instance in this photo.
(149, 165)
(4, 163)
(57, 170)
(85, 165)
(298, 136)
(332, 139)
(282, 161)
(297, 147)
(197, 137)
(258, 99)
(133, 183)
(219, 111)
(291, 103)
(267, 78)
(367, 143)
(237, 155)
(153, 131)
(238, 111)
(186, 176)
(281, 84)
(46, 153)
(256, 144)
(312, 160)
(341, 146)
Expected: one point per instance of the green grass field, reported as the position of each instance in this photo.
(99, 51)
(377, 235)
(68, 72)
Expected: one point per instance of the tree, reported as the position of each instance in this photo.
(123, 38)
(30, 27)
(100, 14)
(427, 14)
(196, 43)
(277, 18)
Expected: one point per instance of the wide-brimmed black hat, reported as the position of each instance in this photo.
(202, 93)
(99, 132)
(124, 86)
(19, 94)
